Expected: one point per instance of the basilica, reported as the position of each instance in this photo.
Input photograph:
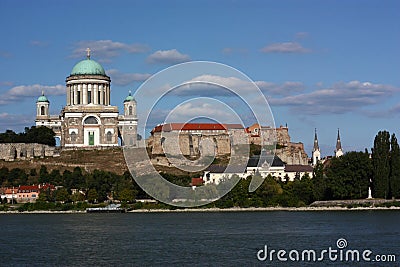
(89, 119)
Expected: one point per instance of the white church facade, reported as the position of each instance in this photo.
(89, 119)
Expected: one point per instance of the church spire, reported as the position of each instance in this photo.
(316, 154)
(316, 146)
(338, 150)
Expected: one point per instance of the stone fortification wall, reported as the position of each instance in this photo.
(293, 154)
(22, 151)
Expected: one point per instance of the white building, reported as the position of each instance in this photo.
(89, 119)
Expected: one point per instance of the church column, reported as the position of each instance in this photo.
(68, 96)
(106, 96)
(85, 94)
(75, 94)
(101, 92)
(94, 93)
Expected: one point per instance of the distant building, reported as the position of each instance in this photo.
(338, 150)
(258, 165)
(316, 153)
(89, 119)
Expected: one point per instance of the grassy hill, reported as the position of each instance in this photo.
(107, 160)
(111, 160)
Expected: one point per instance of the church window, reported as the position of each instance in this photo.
(89, 97)
(42, 110)
(162, 140)
(90, 120)
(98, 97)
(73, 137)
(109, 136)
(130, 111)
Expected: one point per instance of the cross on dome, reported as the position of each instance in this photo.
(88, 53)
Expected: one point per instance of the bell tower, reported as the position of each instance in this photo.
(338, 150)
(42, 108)
(316, 154)
(128, 126)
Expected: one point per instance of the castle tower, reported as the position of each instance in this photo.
(42, 108)
(316, 154)
(338, 151)
(128, 124)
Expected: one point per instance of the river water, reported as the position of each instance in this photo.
(201, 239)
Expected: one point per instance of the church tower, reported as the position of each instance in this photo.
(316, 154)
(42, 108)
(338, 151)
(128, 124)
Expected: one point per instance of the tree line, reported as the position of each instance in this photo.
(40, 135)
(345, 177)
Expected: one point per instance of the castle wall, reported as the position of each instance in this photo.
(16, 151)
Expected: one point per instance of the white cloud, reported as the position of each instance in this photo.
(38, 43)
(233, 84)
(287, 47)
(301, 35)
(201, 109)
(5, 54)
(231, 50)
(172, 56)
(104, 50)
(340, 98)
(15, 122)
(22, 91)
(120, 78)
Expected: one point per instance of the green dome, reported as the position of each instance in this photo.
(88, 67)
(129, 98)
(42, 98)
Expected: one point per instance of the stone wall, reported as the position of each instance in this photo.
(293, 154)
(22, 151)
(191, 144)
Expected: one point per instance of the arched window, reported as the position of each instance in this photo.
(73, 137)
(42, 110)
(90, 120)
(130, 111)
(109, 136)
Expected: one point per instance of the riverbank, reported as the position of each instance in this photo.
(264, 209)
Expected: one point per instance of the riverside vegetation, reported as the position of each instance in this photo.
(345, 177)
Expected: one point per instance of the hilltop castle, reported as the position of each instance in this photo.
(89, 119)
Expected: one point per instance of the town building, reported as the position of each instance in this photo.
(263, 165)
(89, 119)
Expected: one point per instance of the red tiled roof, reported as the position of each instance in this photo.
(28, 188)
(197, 181)
(194, 126)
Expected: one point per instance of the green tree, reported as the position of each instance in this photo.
(92, 196)
(348, 176)
(381, 165)
(61, 195)
(43, 174)
(394, 167)
(319, 182)
(127, 195)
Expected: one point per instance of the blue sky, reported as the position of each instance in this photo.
(321, 64)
